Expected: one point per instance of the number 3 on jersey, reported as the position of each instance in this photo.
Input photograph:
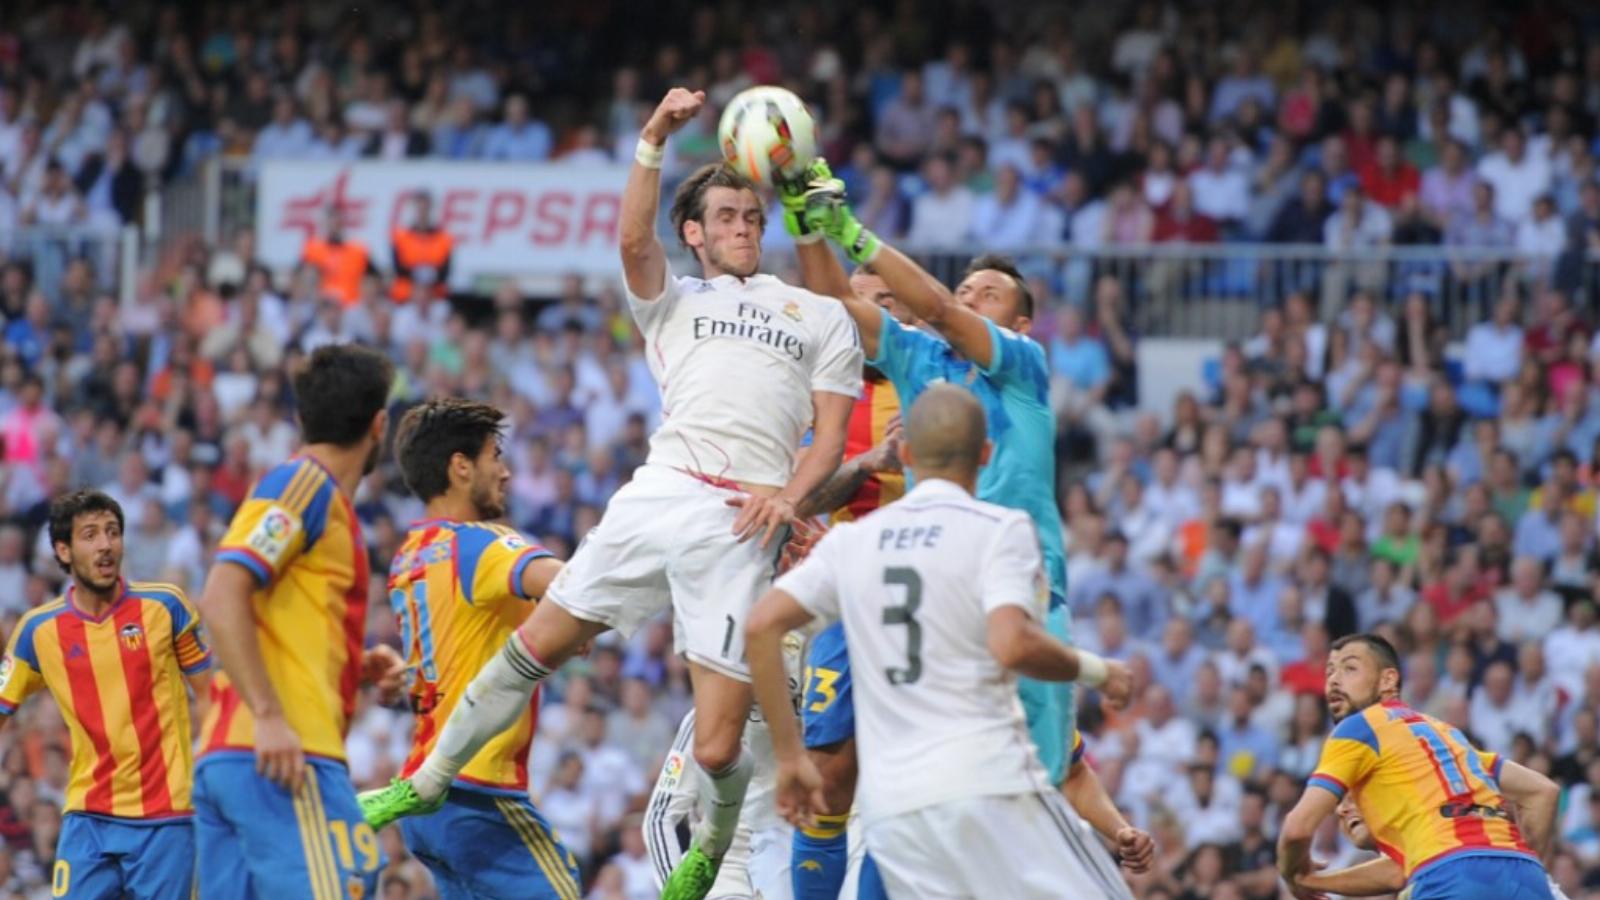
(905, 614)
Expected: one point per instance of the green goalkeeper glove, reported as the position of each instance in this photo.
(827, 211)
(792, 194)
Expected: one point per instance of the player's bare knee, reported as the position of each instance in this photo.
(718, 741)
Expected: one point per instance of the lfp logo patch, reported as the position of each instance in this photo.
(271, 537)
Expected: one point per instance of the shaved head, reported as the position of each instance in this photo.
(945, 430)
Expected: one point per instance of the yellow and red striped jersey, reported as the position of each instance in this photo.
(869, 419)
(118, 679)
(299, 536)
(456, 588)
(1424, 791)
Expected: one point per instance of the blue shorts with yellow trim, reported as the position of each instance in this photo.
(482, 844)
(829, 712)
(256, 839)
(100, 856)
(1480, 875)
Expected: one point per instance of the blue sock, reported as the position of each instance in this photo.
(819, 858)
(870, 887)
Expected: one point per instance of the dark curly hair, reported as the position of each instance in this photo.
(431, 434)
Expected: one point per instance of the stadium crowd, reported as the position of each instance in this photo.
(1344, 469)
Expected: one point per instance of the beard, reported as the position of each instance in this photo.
(722, 261)
(488, 501)
(371, 462)
(86, 575)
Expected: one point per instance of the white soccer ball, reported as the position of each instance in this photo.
(766, 134)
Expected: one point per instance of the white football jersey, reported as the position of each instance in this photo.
(937, 718)
(737, 361)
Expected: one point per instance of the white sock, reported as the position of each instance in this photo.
(719, 805)
(489, 706)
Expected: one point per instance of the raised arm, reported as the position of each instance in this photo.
(644, 260)
(820, 270)
(924, 295)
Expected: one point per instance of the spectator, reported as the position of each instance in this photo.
(906, 125)
(1497, 714)
(519, 137)
(1447, 190)
(287, 136)
(1080, 376)
(1459, 589)
(1136, 593)
(940, 216)
(1357, 225)
(397, 139)
(1389, 179)
(1494, 348)
(1518, 177)
(1525, 609)
(1303, 219)
(1009, 218)
(1386, 600)
(1221, 191)
(1540, 239)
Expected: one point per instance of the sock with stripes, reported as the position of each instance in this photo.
(720, 800)
(490, 705)
(870, 885)
(818, 859)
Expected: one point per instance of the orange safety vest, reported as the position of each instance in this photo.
(417, 249)
(342, 266)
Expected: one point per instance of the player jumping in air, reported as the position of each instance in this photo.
(460, 587)
(115, 655)
(942, 597)
(1435, 806)
(285, 606)
(745, 363)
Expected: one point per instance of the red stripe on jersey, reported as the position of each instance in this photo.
(86, 708)
(419, 746)
(136, 675)
(355, 615)
(227, 704)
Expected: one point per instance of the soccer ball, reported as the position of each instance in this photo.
(766, 134)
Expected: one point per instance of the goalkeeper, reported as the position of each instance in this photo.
(976, 337)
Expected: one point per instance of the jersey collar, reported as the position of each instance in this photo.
(940, 487)
(71, 596)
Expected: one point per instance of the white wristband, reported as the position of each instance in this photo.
(1091, 669)
(649, 155)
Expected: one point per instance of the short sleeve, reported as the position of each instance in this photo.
(649, 311)
(491, 561)
(1016, 359)
(283, 516)
(19, 670)
(1348, 757)
(188, 640)
(1013, 570)
(902, 351)
(837, 369)
(814, 583)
